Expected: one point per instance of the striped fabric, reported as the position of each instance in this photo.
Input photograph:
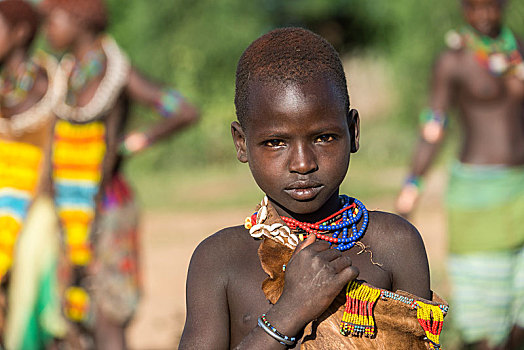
(19, 175)
(488, 294)
(485, 205)
(78, 155)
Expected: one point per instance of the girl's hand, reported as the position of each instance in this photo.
(315, 275)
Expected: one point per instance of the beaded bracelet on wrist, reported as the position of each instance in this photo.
(432, 123)
(272, 331)
(415, 181)
(429, 115)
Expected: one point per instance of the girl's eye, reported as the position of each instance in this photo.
(325, 138)
(274, 143)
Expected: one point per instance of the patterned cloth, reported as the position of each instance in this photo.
(488, 294)
(116, 272)
(485, 206)
(486, 236)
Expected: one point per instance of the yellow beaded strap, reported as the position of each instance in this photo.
(19, 174)
(358, 319)
(431, 319)
(79, 151)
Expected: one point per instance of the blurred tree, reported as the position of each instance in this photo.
(195, 45)
(347, 24)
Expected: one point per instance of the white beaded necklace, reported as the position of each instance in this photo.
(108, 90)
(41, 112)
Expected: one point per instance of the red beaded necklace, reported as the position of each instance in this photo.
(338, 223)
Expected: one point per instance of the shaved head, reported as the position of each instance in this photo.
(287, 55)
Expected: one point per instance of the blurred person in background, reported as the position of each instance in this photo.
(94, 86)
(482, 75)
(28, 225)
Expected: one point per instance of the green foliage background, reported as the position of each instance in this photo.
(194, 45)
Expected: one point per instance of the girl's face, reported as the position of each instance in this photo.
(61, 29)
(298, 142)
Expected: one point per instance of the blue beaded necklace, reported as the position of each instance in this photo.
(338, 224)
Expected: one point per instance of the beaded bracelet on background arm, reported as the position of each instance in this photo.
(272, 331)
(432, 125)
(414, 181)
(168, 103)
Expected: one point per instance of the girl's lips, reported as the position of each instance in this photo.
(304, 193)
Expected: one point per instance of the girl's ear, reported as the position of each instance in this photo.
(354, 129)
(239, 139)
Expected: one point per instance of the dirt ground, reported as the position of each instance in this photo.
(169, 238)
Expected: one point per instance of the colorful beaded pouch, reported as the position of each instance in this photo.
(358, 319)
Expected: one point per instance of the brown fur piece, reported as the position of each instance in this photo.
(272, 256)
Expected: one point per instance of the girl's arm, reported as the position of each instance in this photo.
(177, 112)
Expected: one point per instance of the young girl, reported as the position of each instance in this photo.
(94, 85)
(310, 268)
(26, 210)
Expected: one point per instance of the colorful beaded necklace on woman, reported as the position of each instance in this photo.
(85, 70)
(499, 55)
(15, 87)
(338, 225)
(109, 89)
(39, 113)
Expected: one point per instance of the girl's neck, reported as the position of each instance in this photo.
(85, 42)
(495, 33)
(15, 60)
